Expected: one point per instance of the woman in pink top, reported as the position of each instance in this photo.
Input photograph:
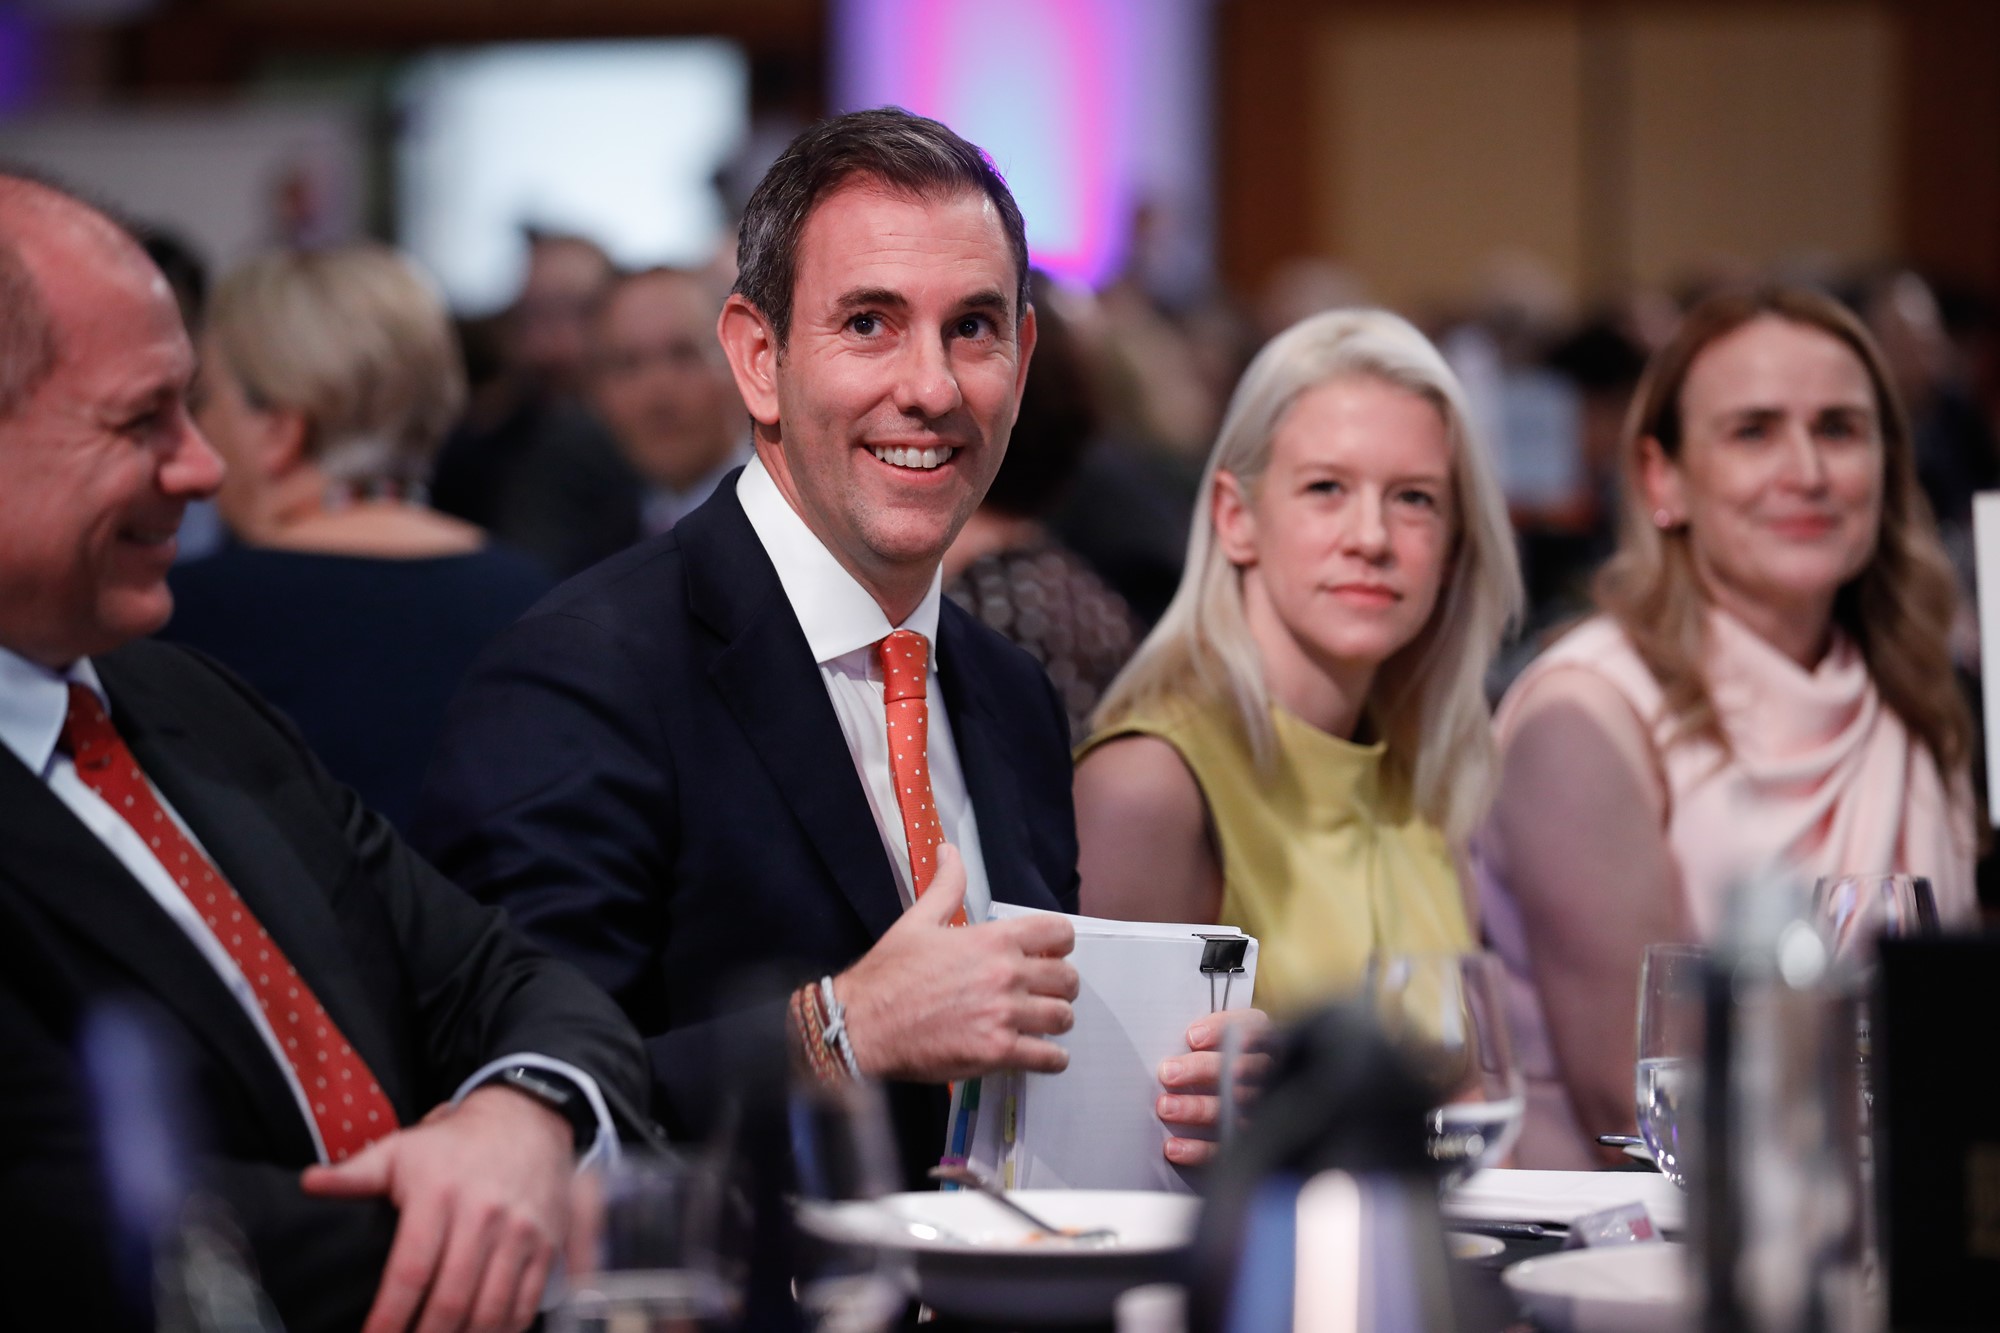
(1768, 686)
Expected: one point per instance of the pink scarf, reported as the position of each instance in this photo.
(1823, 779)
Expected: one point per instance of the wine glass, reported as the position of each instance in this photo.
(1671, 1016)
(1856, 910)
(658, 1250)
(843, 1164)
(1443, 1012)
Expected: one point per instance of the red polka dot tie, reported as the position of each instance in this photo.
(905, 658)
(348, 1104)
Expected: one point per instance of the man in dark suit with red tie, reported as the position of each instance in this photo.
(394, 1087)
(763, 743)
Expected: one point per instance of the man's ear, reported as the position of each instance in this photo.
(1660, 481)
(1027, 341)
(1234, 520)
(751, 345)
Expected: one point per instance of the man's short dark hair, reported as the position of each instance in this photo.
(907, 154)
(27, 333)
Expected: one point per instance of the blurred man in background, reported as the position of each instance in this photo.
(529, 463)
(659, 382)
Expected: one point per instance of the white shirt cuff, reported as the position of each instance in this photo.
(603, 1150)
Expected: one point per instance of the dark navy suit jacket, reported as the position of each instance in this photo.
(647, 773)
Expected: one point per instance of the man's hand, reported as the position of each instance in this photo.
(484, 1193)
(1193, 1082)
(932, 1002)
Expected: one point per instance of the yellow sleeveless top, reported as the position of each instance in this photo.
(1315, 864)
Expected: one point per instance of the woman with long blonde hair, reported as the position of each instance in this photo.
(1303, 744)
(1768, 686)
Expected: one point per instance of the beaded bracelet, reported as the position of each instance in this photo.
(835, 1029)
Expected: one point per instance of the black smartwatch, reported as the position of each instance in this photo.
(554, 1091)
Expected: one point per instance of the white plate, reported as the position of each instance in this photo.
(1558, 1198)
(993, 1268)
(1615, 1289)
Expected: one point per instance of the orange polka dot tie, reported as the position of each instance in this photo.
(348, 1104)
(905, 658)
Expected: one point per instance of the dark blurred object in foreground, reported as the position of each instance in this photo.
(1937, 1131)
(1335, 1156)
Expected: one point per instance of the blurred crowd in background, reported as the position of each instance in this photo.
(597, 408)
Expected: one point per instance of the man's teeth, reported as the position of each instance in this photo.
(917, 458)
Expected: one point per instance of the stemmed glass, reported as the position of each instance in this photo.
(1857, 910)
(658, 1250)
(1443, 1011)
(843, 1165)
(1671, 1015)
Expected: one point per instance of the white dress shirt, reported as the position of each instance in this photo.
(34, 702)
(842, 624)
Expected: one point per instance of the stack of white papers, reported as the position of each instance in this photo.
(1093, 1126)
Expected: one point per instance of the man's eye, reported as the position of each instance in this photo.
(1325, 486)
(973, 326)
(1750, 430)
(865, 325)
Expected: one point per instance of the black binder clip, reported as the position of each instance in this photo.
(1222, 956)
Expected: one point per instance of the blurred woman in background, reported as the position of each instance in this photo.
(1302, 745)
(1768, 685)
(327, 381)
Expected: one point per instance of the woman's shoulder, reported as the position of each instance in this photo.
(1594, 662)
(1190, 725)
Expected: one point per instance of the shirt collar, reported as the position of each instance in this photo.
(33, 703)
(836, 612)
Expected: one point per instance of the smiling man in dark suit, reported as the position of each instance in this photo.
(395, 1087)
(764, 742)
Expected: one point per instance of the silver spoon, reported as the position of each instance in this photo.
(1100, 1237)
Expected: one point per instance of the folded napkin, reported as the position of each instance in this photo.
(1557, 1198)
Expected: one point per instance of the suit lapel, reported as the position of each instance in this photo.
(57, 862)
(981, 735)
(763, 668)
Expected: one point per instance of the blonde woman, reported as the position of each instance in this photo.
(1768, 684)
(328, 381)
(1302, 745)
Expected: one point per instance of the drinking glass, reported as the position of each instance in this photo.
(659, 1250)
(1857, 910)
(848, 1280)
(1443, 1011)
(1671, 1017)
